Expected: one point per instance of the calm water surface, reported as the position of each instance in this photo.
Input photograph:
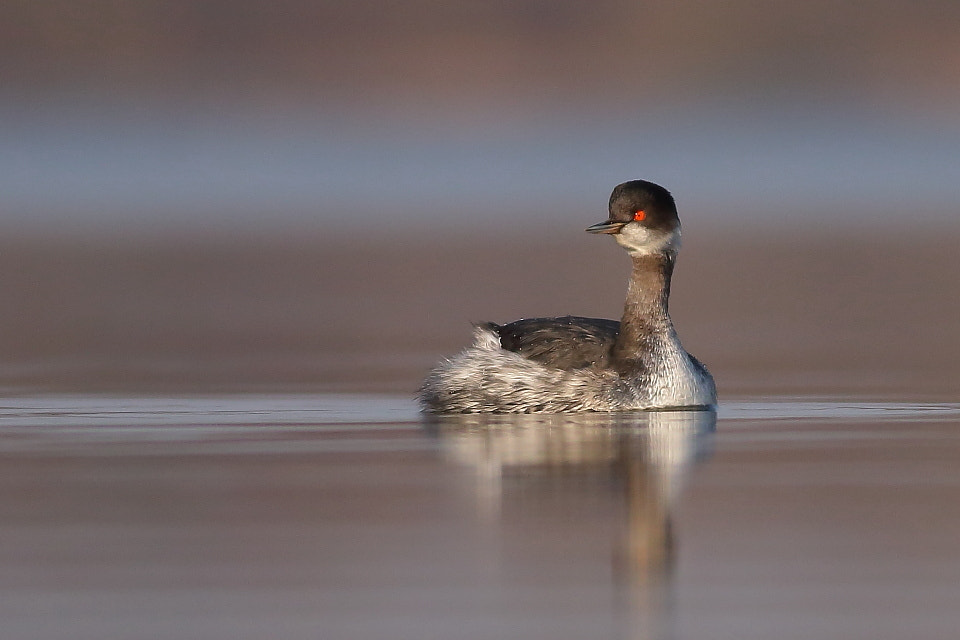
(304, 516)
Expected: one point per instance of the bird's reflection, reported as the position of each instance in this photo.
(646, 454)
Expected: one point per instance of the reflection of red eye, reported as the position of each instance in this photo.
(639, 215)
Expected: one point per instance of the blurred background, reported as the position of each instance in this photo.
(231, 195)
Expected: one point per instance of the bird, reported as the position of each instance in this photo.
(574, 364)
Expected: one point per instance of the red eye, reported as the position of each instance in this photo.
(639, 215)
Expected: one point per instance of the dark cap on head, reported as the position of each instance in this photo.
(656, 203)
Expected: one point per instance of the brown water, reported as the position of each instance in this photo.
(845, 314)
(215, 439)
(312, 516)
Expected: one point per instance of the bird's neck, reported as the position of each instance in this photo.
(645, 314)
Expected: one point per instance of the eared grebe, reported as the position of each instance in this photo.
(557, 365)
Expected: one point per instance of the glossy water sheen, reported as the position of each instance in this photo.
(346, 517)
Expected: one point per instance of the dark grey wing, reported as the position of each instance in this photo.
(566, 343)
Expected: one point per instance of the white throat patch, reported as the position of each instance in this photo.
(637, 238)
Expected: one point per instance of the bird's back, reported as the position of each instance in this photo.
(566, 343)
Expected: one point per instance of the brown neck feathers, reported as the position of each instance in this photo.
(645, 314)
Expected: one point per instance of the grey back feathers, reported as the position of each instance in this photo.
(569, 342)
